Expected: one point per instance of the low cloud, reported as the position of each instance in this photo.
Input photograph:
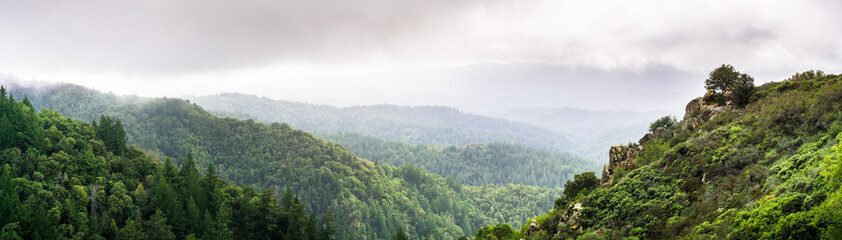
(296, 47)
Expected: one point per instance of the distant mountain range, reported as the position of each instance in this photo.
(594, 131)
(419, 125)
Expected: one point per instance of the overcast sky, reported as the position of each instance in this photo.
(475, 55)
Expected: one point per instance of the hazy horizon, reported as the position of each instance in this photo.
(478, 56)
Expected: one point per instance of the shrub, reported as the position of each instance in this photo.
(665, 122)
(583, 182)
(653, 151)
(743, 89)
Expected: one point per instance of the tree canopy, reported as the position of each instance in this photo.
(72, 186)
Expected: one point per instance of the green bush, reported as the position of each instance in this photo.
(665, 122)
(653, 151)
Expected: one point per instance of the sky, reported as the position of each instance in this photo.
(481, 56)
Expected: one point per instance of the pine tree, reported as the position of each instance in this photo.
(328, 228)
(208, 227)
(223, 222)
(157, 227)
(194, 218)
(110, 131)
(27, 103)
(400, 235)
(210, 186)
(10, 208)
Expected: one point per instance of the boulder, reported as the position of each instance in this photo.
(693, 106)
(570, 220)
(646, 138)
(620, 156)
(709, 98)
(703, 109)
(532, 229)
(660, 132)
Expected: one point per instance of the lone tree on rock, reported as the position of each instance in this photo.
(725, 78)
(722, 78)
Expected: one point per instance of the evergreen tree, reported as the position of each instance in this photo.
(400, 235)
(110, 131)
(223, 222)
(27, 103)
(157, 227)
(208, 227)
(328, 228)
(10, 208)
(194, 218)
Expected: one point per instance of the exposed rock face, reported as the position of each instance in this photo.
(660, 132)
(620, 156)
(569, 221)
(533, 228)
(646, 138)
(700, 110)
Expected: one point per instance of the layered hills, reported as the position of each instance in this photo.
(370, 201)
(433, 125)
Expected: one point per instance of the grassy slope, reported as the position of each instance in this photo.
(768, 171)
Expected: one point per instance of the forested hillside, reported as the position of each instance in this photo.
(745, 163)
(420, 125)
(475, 164)
(370, 201)
(63, 179)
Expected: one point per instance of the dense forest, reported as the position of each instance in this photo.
(769, 167)
(370, 201)
(63, 179)
(475, 164)
(419, 125)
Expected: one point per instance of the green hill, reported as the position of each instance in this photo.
(370, 201)
(475, 164)
(769, 170)
(433, 125)
(63, 179)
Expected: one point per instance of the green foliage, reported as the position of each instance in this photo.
(666, 122)
(400, 235)
(110, 131)
(475, 164)
(726, 78)
(369, 200)
(431, 125)
(75, 187)
(743, 90)
(653, 151)
(722, 78)
(498, 232)
(769, 171)
(582, 184)
(590, 236)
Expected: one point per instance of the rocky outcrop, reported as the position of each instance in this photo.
(620, 156)
(533, 228)
(646, 139)
(570, 220)
(659, 132)
(700, 110)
